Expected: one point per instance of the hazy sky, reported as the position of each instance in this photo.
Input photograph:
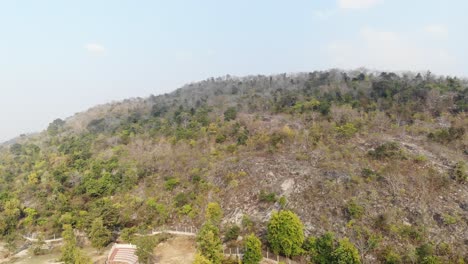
(61, 57)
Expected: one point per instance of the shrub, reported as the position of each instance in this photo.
(285, 233)
(200, 259)
(171, 183)
(346, 131)
(282, 202)
(252, 250)
(445, 135)
(247, 223)
(321, 249)
(145, 246)
(232, 233)
(388, 150)
(267, 197)
(230, 114)
(214, 213)
(220, 138)
(209, 244)
(354, 209)
(181, 199)
(370, 174)
(346, 253)
(392, 257)
(459, 172)
(99, 235)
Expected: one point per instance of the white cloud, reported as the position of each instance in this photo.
(95, 48)
(357, 4)
(436, 30)
(387, 50)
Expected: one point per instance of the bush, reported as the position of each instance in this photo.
(209, 244)
(392, 257)
(99, 235)
(388, 150)
(200, 259)
(230, 114)
(252, 250)
(354, 209)
(220, 138)
(346, 131)
(171, 183)
(285, 233)
(232, 233)
(445, 135)
(370, 174)
(346, 253)
(214, 213)
(321, 249)
(181, 199)
(282, 202)
(267, 197)
(459, 172)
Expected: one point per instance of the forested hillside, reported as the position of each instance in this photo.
(379, 158)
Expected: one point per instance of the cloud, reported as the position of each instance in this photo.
(94, 48)
(436, 30)
(388, 50)
(357, 4)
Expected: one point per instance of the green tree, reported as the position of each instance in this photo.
(230, 114)
(145, 246)
(200, 259)
(321, 249)
(37, 247)
(346, 253)
(214, 213)
(209, 244)
(459, 172)
(285, 233)
(99, 235)
(71, 254)
(252, 250)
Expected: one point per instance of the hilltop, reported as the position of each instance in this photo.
(378, 157)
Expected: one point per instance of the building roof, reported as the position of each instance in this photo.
(122, 254)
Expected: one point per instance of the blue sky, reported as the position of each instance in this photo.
(61, 57)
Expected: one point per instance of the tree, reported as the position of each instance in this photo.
(54, 128)
(37, 247)
(209, 244)
(71, 254)
(214, 213)
(252, 250)
(285, 233)
(100, 236)
(200, 259)
(346, 253)
(321, 249)
(145, 246)
(230, 114)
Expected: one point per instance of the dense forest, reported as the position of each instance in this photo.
(374, 160)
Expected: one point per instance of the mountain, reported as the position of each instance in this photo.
(377, 157)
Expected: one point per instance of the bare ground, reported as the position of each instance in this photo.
(176, 250)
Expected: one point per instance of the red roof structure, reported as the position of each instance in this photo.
(122, 254)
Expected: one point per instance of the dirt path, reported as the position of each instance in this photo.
(177, 250)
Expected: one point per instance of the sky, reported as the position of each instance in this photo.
(59, 57)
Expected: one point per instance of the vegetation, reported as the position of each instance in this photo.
(145, 246)
(99, 235)
(377, 157)
(209, 244)
(71, 253)
(252, 250)
(285, 233)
